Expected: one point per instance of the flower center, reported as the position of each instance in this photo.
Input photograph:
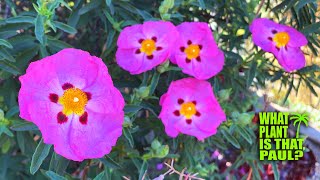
(192, 51)
(281, 39)
(188, 109)
(73, 100)
(148, 46)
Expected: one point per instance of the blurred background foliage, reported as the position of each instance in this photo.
(31, 30)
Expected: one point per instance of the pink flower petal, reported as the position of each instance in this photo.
(130, 36)
(291, 59)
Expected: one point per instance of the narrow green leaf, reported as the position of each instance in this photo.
(303, 3)
(110, 163)
(90, 6)
(202, 4)
(20, 19)
(154, 82)
(5, 54)
(252, 73)
(5, 43)
(39, 155)
(312, 28)
(230, 138)
(55, 176)
(243, 132)
(101, 176)
(24, 126)
(288, 92)
(143, 170)
(128, 136)
(39, 28)
(64, 27)
(132, 108)
(9, 68)
(58, 163)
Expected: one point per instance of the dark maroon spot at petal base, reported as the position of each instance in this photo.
(188, 121)
(66, 86)
(180, 101)
(138, 51)
(140, 41)
(53, 97)
(274, 31)
(278, 48)
(84, 118)
(189, 42)
(61, 118)
(154, 39)
(286, 48)
(198, 113)
(270, 39)
(200, 47)
(159, 48)
(150, 57)
(194, 102)
(182, 49)
(176, 112)
(198, 59)
(89, 95)
(188, 60)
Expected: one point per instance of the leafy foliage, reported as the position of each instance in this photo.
(31, 30)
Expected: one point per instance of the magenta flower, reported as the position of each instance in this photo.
(282, 41)
(71, 98)
(144, 46)
(196, 51)
(190, 107)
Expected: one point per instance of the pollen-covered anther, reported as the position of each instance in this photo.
(188, 109)
(148, 46)
(192, 51)
(74, 101)
(281, 39)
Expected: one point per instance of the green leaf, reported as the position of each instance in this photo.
(110, 163)
(5, 43)
(101, 176)
(64, 27)
(154, 82)
(4, 129)
(252, 73)
(312, 28)
(202, 4)
(39, 28)
(143, 170)
(5, 66)
(20, 19)
(130, 108)
(5, 54)
(303, 3)
(90, 6)
(230, 138)
(243, 132)
(54, 176)
(39, 155)
(58, 163)
(24, 126)
(128, 136)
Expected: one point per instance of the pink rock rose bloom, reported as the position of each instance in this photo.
(282, 41)
(196, 52)
(142, 47)
(190, 107)
(71, 98)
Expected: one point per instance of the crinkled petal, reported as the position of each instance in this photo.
(194, 31)
(96, 138)
(78, 67)
(130, 36)
(297, 39)
(261, 30)
(129, 60)
(209, 66)
(291, 59)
